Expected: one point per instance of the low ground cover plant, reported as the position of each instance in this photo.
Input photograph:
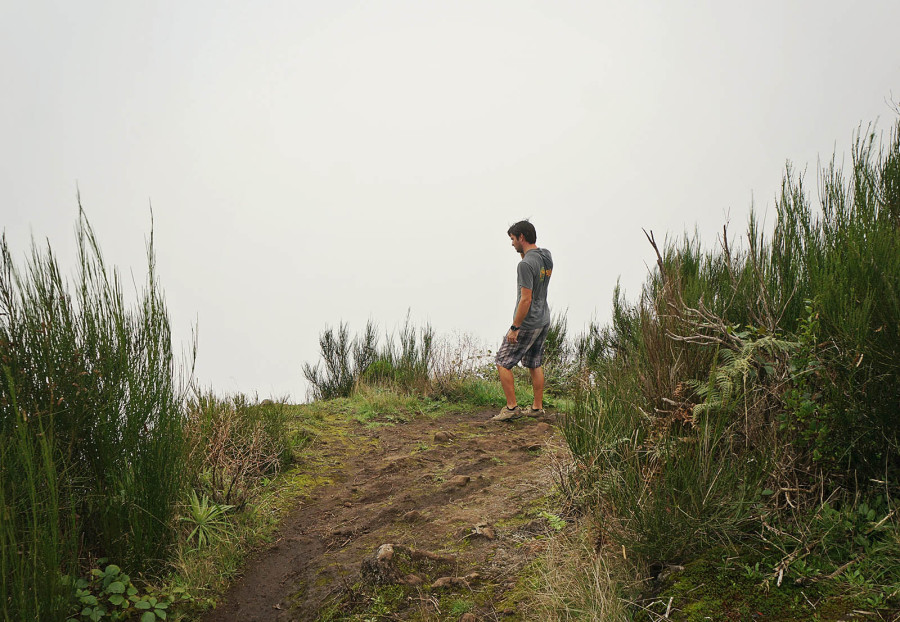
(109, 594)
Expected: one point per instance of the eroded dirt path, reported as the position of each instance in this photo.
(457, 498)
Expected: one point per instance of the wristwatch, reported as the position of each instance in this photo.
(514, 327)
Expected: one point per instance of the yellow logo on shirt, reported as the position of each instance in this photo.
(545, 273)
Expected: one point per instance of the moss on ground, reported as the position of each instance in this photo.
(722, 587)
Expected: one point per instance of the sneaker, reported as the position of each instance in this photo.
(507, 414)
(534, 412)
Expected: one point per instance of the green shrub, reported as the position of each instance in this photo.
(90, 423)
(344, 362)
(771, 368)
(663, 486)
(405, 361)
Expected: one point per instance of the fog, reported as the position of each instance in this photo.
(311, 163)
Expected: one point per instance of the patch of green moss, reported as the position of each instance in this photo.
(363, 602)
(527, 582)
(459, 606)
(717, 586)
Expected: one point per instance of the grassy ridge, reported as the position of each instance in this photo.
(748, 399)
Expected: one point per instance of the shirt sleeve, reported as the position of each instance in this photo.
(525, 275)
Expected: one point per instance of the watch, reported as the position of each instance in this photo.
(514, 327)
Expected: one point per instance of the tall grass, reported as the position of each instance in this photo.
(767, 367)
(90, 424)
(344, 361)
(38, 538)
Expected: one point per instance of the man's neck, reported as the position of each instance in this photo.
(528, 247)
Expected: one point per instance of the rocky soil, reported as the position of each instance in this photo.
(433, 519)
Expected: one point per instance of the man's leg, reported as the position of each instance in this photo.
(509, 385)
(537, 383)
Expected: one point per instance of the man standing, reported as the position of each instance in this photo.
(531, 320)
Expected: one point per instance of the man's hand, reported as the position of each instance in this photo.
(512, 336)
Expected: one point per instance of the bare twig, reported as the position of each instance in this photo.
(659, 260)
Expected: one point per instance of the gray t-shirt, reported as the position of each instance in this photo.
(533, 273)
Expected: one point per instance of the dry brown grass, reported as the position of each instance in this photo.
(577, 582)
(232, 445)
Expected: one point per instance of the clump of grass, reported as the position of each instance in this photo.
(234, 442)
(574, 583)
(344, 361)
(406, 361)
(90, 424)
(417, 362)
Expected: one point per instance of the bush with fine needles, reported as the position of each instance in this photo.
(405, 361)
(90, 425)
(771, 367)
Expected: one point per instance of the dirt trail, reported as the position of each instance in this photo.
(456, 496)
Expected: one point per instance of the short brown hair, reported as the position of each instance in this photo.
(523, 227)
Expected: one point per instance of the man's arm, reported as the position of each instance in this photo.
(521, 311)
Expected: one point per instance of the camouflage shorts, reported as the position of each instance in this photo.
(529, 349)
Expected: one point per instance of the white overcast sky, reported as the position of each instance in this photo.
(312, 162)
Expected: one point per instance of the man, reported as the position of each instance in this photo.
(524, 341)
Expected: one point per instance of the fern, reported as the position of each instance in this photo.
(754, 367)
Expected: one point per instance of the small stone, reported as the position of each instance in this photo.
(413, 579)
(468, 617)
(448, 581)
(385, 553)
(347, 504)
(442, 437)
(543, 428)
(460, 480)
(668, 571)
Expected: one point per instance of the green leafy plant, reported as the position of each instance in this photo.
(556, 523)
(208, 519)
(109, 594)
(461, 606)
